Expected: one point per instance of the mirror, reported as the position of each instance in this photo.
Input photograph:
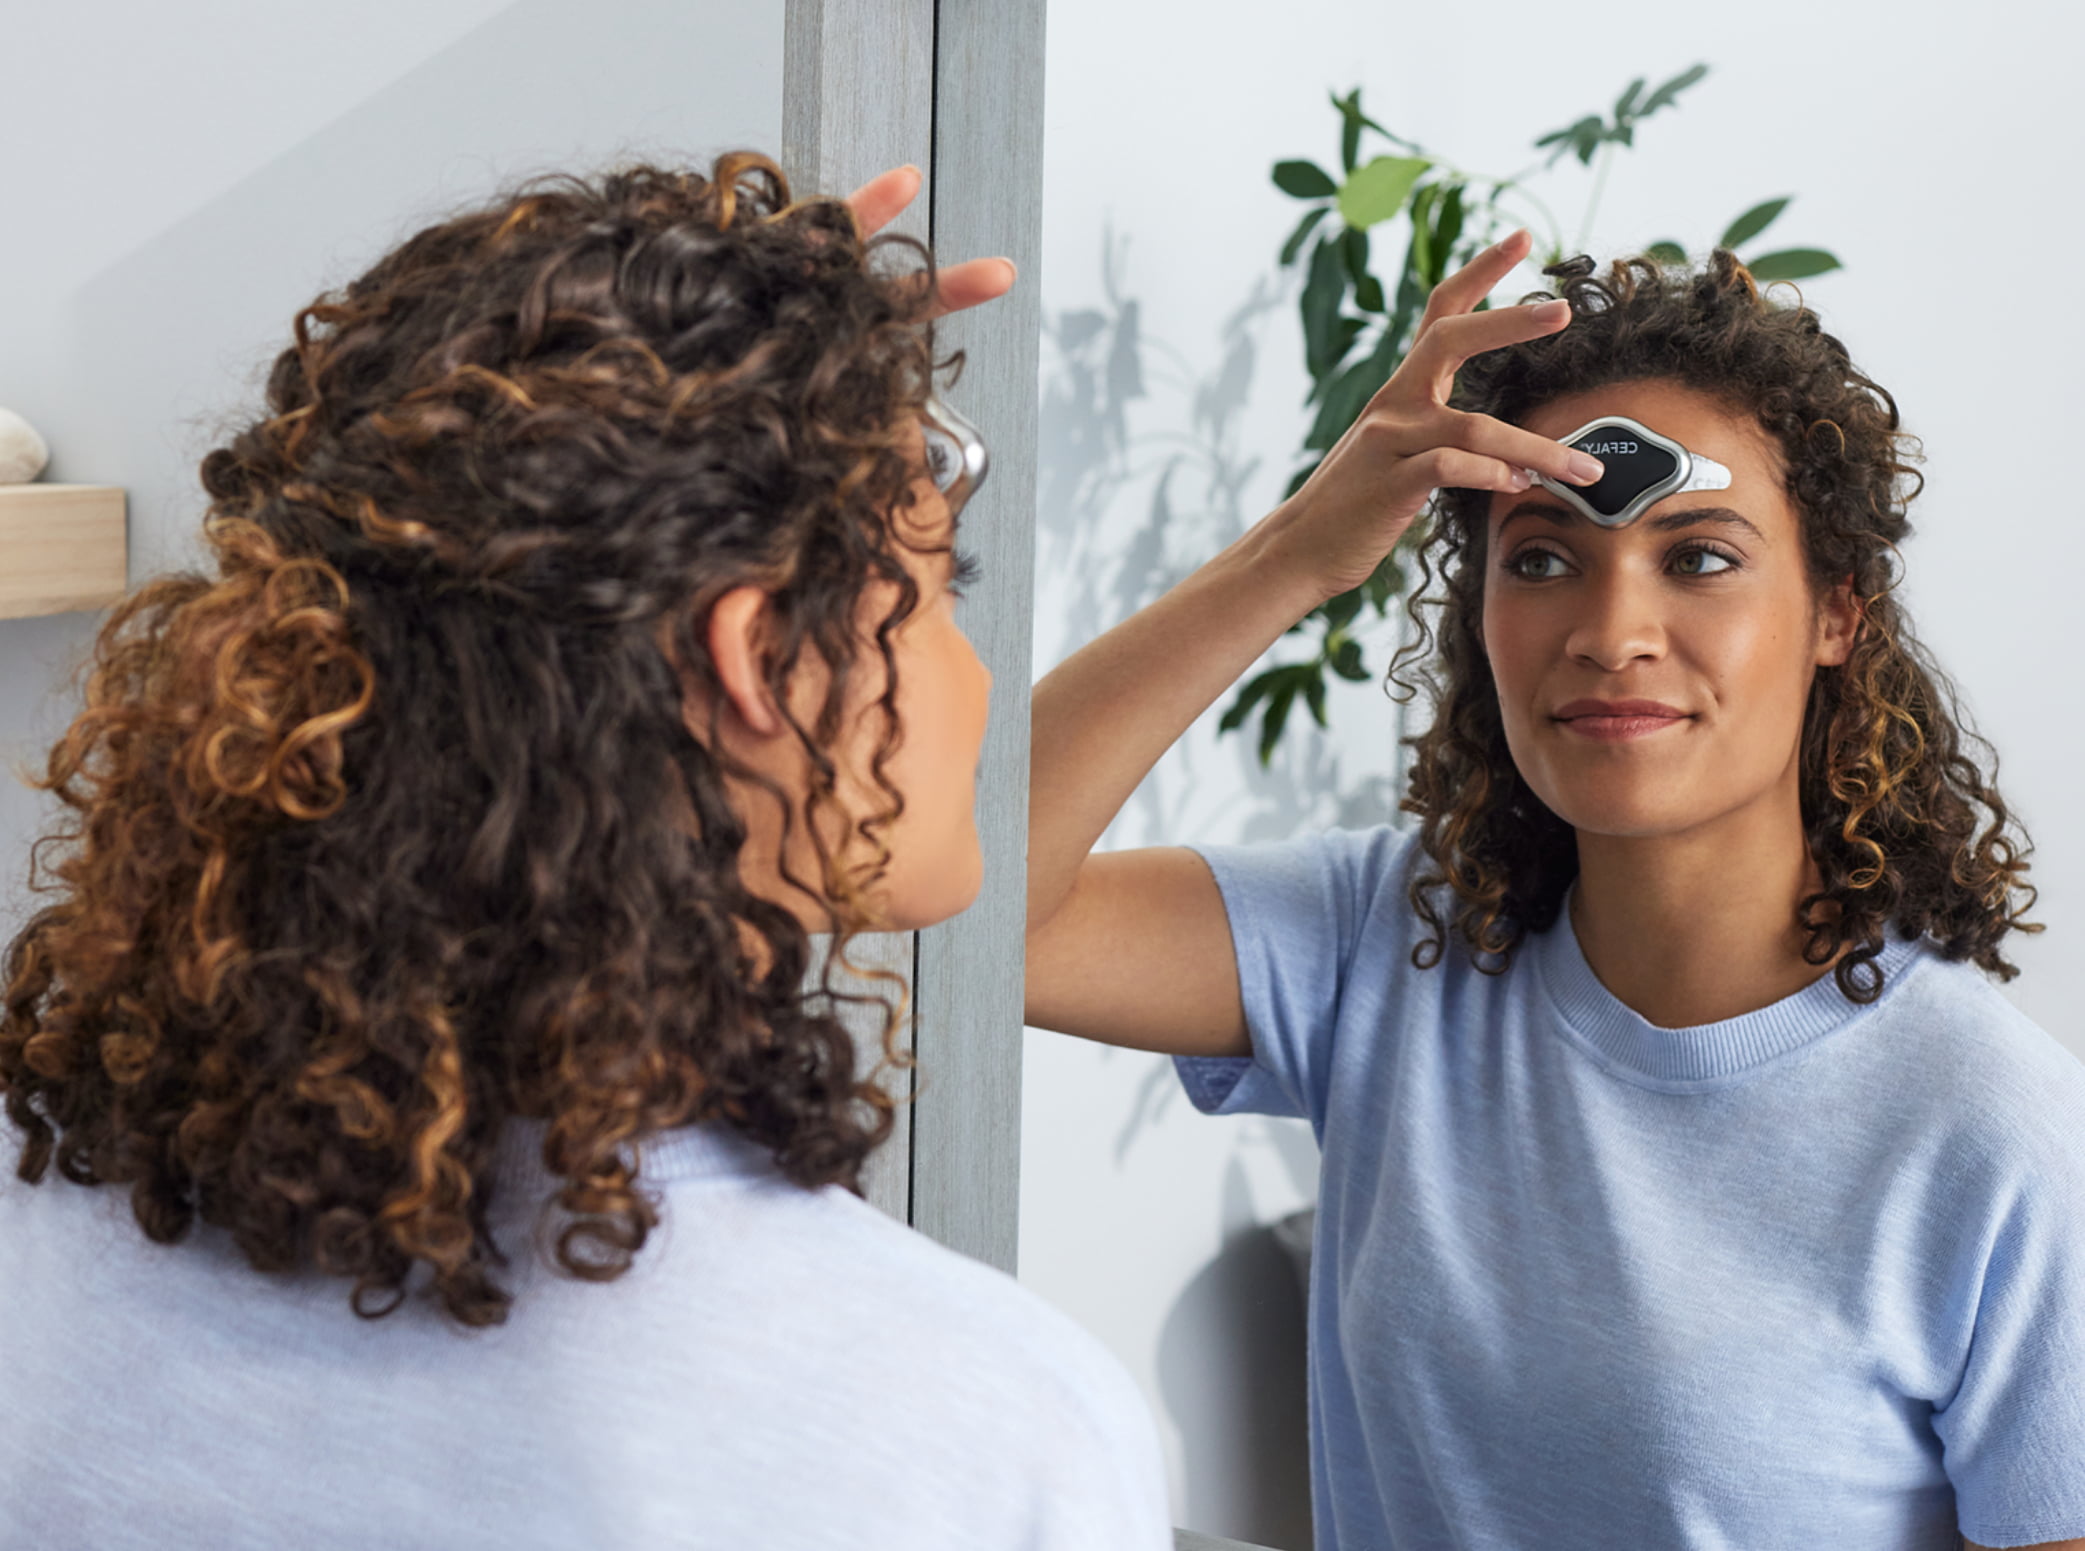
(1173, 414)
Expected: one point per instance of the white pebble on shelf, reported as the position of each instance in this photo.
(23, 454)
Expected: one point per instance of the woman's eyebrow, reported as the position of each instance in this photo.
(1723, 516)
(1557, 513)
(1670, 522)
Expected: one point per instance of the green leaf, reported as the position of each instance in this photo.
(1627, 100)
(1275, 718)
(1792, 264)
(1323, 292)
(1350, 132)
(1667, 252)
(1314, 695)
(1665, 94)
(1346, 661)
(1305, 180)
(1349, 108)
(1378, 191)
(1752, 222)
(1368, 294)
(1419, 256)
(1583, 137)
(1251, 695)
(1294, 245)
(1339, 612)
(1348, 393)
(1569, 133)
(1411, 302)
(1355, 245)
(1447, 228)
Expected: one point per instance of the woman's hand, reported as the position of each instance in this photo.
(879, 201)
(1408, 443)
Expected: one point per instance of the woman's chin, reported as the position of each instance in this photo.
(929, 896)
(1624, 814)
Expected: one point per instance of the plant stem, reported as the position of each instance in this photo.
(1585, 231)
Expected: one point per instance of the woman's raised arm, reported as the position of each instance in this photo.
(1133, 947)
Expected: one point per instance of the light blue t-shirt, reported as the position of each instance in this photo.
(1812, 1277)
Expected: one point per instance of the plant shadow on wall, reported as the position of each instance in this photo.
(1130, 501)
(1133, 499)
(1358, 326)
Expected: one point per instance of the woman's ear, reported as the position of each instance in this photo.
(738, 625)
(1838, 624)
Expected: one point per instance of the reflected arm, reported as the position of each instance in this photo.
(1133, 948)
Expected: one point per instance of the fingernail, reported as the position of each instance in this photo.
(1522, 479)
(1586, 469)
(1550, 312)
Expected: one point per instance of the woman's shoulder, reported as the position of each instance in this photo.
(1985, 1058)
(900, 1300)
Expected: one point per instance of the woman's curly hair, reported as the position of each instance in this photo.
(1901, 819)
(391, 829)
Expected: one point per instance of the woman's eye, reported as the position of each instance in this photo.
(1702, 562)
(965, 571)
(1536, 564)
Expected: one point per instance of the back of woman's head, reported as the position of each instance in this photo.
(393, 829)
(1902, 822)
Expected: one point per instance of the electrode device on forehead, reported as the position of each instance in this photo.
(1643, 468)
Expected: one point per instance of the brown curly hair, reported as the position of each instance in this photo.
(392, 828)
(1900, 817)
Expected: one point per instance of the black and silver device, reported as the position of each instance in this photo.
(1643, 468)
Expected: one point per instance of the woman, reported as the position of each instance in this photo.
(1685, 1183)
(430, 936)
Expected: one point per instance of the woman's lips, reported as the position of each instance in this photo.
(1616, 721)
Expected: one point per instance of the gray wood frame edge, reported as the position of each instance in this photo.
(987, 192)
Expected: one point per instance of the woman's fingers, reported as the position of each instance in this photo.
(967, 284)
(883, 198)
(1459, 469)
(1518, 449)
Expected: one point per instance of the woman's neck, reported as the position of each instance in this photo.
(1698, 927)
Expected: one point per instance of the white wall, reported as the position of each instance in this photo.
(183, 178)
(1930, 149)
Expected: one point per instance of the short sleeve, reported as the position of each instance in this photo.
(2014, 1430)
(1297, 912)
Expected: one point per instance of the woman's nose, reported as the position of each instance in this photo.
(1622, 622)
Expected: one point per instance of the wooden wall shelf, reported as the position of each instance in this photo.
(62, 547)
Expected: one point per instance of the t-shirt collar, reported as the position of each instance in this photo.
(1708, 1054)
